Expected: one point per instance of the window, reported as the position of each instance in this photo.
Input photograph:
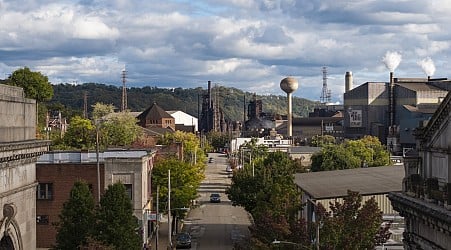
(42, 219)
(129, 190)
(44, 191)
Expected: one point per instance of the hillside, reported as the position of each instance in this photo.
(232, 99)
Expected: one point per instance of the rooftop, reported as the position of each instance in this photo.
(366, 181)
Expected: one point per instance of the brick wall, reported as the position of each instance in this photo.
(63, 177)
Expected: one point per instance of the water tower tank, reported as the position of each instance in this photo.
(289, 85)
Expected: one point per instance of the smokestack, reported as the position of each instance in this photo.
(348, 81)
(391, 100)
(210, 103)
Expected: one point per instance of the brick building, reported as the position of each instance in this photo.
(57, 172)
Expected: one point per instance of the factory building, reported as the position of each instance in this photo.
(391, 110)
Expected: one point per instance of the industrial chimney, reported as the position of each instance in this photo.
(391, 101)
(289, 85)
(348, 81)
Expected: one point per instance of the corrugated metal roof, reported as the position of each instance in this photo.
(333, 184)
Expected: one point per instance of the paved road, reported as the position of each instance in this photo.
(216, 225)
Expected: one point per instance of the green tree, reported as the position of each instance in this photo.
(192, 151)
(76, 219)
(100, 110)
(218, 140)
(365, 152)
(80, 134)
(116, 224)
(321, 140)
(333, 157)
(185, 179)
(271, 197)
(120, 129)
(349, 225)
(35, 85)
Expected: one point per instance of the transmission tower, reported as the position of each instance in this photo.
(124, 91)
(85, 105)
(326, 93)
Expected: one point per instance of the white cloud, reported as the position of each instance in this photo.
(248, 44)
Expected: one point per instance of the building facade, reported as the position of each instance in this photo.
(19, 151)
(425, 201)
(58, 171)
(392, 110)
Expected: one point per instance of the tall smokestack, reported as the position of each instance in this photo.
(289, 85)
(391, 100)
(210, 103)
(348, 81)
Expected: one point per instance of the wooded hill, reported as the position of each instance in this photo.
(70, 98)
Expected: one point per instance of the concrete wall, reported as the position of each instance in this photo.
(18, 115)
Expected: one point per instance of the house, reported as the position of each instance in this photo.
(425, 201)
(19, 150)
(156, 117)
(57, 171)
(184, 121)
(329, 186)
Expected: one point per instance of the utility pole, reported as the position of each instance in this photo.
(169, 211)
(158, 218)
(124, 91)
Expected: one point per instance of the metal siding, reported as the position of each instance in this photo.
(381, 199)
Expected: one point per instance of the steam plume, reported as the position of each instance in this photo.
(392, 60)
(428, 66)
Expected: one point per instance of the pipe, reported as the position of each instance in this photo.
(348, 81)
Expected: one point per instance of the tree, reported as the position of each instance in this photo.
(79, 134)
(120, 129)
(321, 140)
(349, 225)
(365, 152)
(192, 150)
(100, 110)
(185, 179)
(116, 224)
(271, 197)
(76, 219)
(35, 85)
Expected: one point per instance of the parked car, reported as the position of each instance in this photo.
(215, 198)
(229, 169)
(211, 160)
(183, 240)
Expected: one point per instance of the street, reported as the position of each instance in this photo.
(216, 225)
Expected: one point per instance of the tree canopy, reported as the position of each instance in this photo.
(76, 219)
(116, 224)
(349, 225)
(365, 152)
(35, 84)
(185, 179)
(271, 197)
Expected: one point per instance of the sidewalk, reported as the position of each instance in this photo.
(162, 236)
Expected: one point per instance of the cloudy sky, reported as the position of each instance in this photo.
(246, 44)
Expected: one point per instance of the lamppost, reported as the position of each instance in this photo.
(97, 123)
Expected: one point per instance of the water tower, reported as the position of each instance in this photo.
(289, 85)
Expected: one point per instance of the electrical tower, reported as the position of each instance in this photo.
(85, 105)
(326, 93)
(124, 91)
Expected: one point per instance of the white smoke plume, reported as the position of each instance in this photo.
(392, 60)
(428, 66)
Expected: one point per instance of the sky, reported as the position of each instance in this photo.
(246, 44)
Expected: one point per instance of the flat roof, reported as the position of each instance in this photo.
(366, 181)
